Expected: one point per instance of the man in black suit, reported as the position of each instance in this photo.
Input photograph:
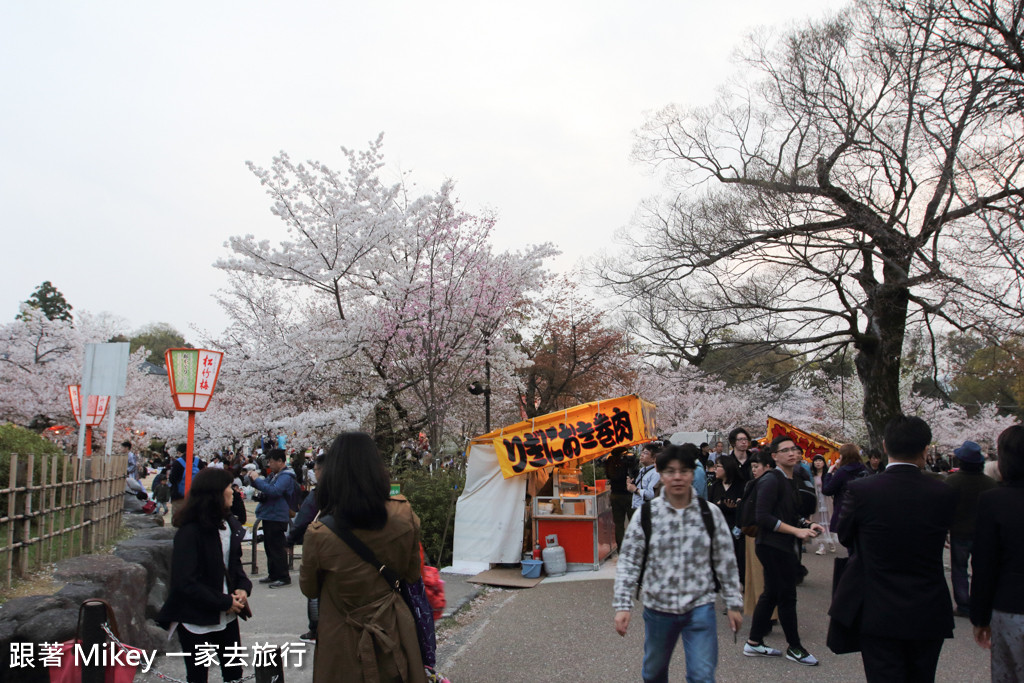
(894, 588)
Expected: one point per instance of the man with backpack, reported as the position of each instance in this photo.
(278, 497)
(781, 532)
(678, 553)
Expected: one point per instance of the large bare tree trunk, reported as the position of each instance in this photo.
(880, 353)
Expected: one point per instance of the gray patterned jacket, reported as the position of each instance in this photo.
(678, 575)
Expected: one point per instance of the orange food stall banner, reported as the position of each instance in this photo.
(811, 444)
(578, 434)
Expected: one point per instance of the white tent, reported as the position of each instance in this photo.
(488, 515)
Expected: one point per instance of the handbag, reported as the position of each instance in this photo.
(69, 670)
(414, 594)
(841, 639)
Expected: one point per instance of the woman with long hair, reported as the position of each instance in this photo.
(726, 492)
(849, 467)
(823, 509)
(366, 631)
(209, 589)
(997, 579)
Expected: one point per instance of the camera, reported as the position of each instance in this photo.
(258, 497)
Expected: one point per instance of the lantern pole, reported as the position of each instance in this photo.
(188, 450)
(88, 440)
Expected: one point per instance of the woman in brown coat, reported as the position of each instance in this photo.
(366, 631)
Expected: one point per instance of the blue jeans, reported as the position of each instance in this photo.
(959, 554)
(700, 643)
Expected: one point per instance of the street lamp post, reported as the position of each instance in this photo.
(192, 374)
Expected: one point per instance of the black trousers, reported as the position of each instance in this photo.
(277, 552)
(891, 659)
(622, 504)
(781, 569)
(221, 639)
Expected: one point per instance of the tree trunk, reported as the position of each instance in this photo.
(384, 430)
(879, 356)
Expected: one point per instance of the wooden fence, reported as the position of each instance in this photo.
(57, 506)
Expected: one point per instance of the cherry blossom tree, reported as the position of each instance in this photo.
(40, 357)
(375, 294)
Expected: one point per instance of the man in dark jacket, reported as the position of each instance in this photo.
(969, 482)
(273, 513)
(781, 532)
(739, 440)
(894, 588)
(616, 468)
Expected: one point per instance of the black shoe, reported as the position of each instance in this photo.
(961, 612)
(279, 583)
(267, 579)
(308, 637)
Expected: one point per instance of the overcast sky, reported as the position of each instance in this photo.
(125, 126)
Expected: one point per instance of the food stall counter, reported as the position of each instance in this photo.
(583, 524)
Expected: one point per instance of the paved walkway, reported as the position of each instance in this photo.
(279, 617)
(561, 631)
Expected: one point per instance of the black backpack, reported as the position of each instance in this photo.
(746, 517)
(806, 498)
(709, 525)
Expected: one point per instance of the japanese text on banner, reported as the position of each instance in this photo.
(576, 434)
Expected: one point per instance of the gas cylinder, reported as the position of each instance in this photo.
(554, 556)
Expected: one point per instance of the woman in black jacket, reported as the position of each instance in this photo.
(726, 492)
(997, 579)
(849, 468)
(209, 588)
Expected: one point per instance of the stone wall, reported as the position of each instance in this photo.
(134, 579)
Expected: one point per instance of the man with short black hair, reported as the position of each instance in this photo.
(616, 469)
(969, 483)
(739, 442)
(273, 513)
(676, 562)
(894, 590)
(642, 487)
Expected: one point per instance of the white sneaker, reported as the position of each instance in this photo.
(799, 656)
(831, 547)
(820, 550)
(761, 650)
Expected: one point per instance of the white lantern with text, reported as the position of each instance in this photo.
(192, 374)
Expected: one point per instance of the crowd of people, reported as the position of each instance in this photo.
(350, 512)
(692, 522)
(893, 512)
